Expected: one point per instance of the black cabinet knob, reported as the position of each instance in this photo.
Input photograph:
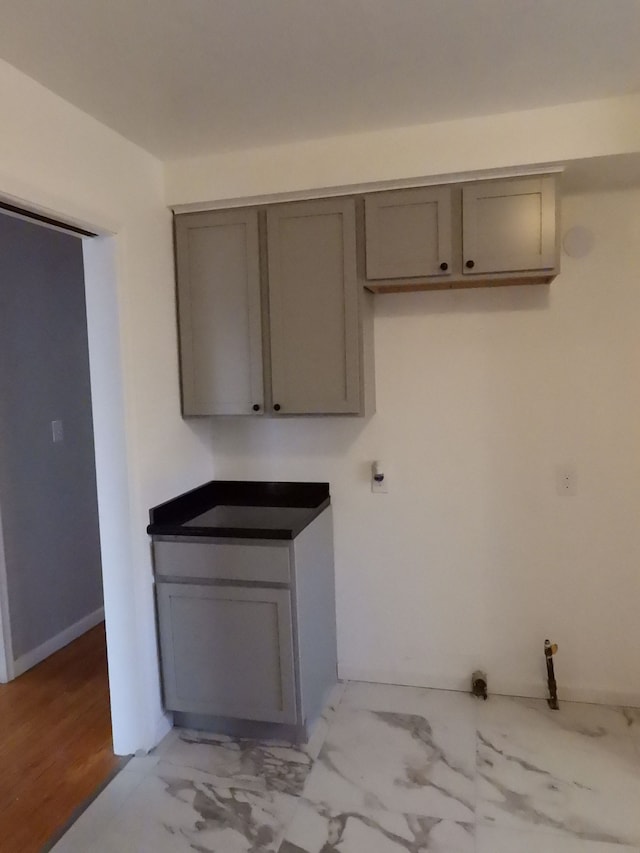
(276, 407)
(444, 266)
(470, 265)
(255, 407)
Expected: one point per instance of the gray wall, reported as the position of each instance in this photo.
(47, 491)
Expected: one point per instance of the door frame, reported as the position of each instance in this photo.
(10, 667)
(6, 646)
(101, 273)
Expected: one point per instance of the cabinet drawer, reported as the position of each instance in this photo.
(263, 562)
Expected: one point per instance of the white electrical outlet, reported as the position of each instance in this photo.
(566, 484)
(57, 431)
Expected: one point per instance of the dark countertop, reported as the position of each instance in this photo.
(241, 509)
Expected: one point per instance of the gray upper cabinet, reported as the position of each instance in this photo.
(462, 235)
(509, 226)
(313, 307)
(408, 233)
(272, 319)
(219, 310)
(306, 345)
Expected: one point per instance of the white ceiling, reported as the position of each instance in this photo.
(185, 77)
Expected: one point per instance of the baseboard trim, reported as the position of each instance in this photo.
(589, 695)
(59, 641)
(403, 679)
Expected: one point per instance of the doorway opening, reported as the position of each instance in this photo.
(52, 637)
(56, 744)
(52, 584)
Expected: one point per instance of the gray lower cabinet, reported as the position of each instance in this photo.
(227, 651)
(247, 628)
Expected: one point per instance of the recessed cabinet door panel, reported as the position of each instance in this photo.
(313, 306)
(227, 651)
(218, 273)
(509, 226)
(408, 233)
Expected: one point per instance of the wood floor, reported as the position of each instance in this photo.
(55, 742)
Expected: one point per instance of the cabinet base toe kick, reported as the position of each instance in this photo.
(250, 729)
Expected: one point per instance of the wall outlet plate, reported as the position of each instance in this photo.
(57, 431)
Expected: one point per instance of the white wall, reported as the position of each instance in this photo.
(472, 559)
(585, 130)
(55, 157)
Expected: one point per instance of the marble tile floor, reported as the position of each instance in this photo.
(387, 770)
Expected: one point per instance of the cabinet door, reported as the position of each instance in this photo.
(408, 233)
(218, 274)
(227, 651)
(313, 304)
(509, 226)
